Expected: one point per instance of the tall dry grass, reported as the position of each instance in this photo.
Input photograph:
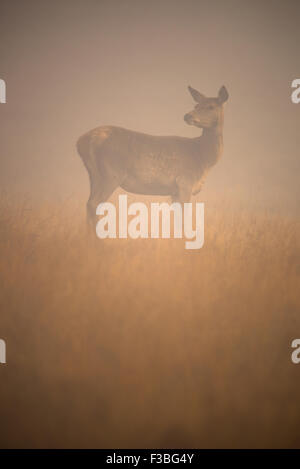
(141, 343)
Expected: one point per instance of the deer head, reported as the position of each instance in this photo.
(208, 112)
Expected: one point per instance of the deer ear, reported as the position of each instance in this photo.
(223, 95)
(198, 97)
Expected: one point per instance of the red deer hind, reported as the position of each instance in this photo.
(154, 165)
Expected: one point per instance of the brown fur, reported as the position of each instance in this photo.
(154, 165)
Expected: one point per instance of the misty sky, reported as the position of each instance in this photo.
(73, 65)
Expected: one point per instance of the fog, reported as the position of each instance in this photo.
(134, 343)
(70, 66)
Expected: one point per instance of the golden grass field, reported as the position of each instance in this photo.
(141, 343)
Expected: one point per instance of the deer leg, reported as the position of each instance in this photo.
(101, 190)
(182, 196)
(183, 193)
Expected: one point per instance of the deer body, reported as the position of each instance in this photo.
(153, 165)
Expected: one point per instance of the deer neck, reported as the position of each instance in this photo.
(212, 142)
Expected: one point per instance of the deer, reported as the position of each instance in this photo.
(154, 165)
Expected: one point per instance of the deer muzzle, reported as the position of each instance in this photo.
(188, 118)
